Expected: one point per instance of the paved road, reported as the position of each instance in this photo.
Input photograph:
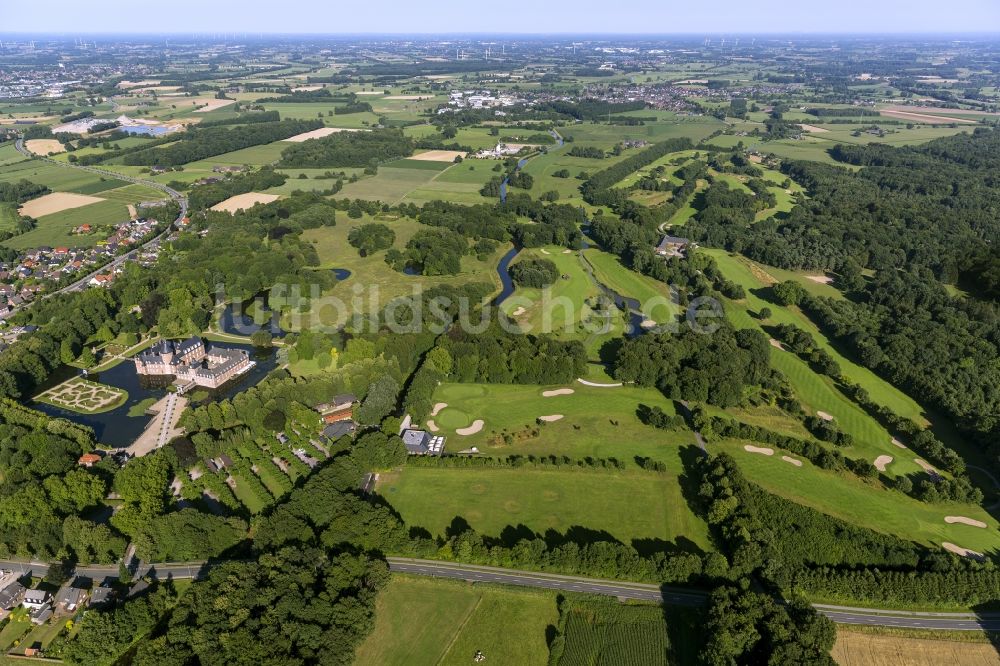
(117, 261)
(645, 592)
(165, 570)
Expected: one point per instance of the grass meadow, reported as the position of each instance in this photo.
(849, 498)
(430, 621)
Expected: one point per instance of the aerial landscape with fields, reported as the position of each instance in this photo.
(388, 335)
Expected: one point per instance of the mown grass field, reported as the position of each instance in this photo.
(390, 185)
(427, 621)
(597, 422)
(564, 500)
(844, 496)
(377, 279)
(654, 297)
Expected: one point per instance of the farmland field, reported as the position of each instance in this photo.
(867, 649)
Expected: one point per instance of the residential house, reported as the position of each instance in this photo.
(101, 596)
(35, 599)
(11, 595)
(339, 429)
(89, 459)
(340, 408)
(70, 597)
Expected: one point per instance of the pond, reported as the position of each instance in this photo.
(235, 320)
(341, 273)
(116, 428)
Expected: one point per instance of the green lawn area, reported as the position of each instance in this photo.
(492, 500)
(56, 229)
(653, 296)
(378, 279)
(847, 497)
(391, 184)
(8, 216)
(428, 621)
(245, 494)
(43, 634)
(597, 422)
(816, 390)
(13, 631)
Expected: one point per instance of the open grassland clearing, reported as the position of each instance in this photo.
(597, 422)
(845, 496)
(857, 648)
(429, 621)
(57, 229)
(459, 183)
(381, 282)
(390, 185)
(491, 500)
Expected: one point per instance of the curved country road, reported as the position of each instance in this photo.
(117, 261)
(942, 621)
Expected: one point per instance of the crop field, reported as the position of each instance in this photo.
(855, 648)
(847, 497)
(496, 500)
(458, 183)
(604, 631)
(428, 621)
(377, 278)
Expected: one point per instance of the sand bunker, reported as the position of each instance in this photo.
(814, 129)
(824, 416)
(964, 521)
(881, 462)
(776, 344)
(898, 443)
(927, 467)
(56, 202)
(244, 201)
(318, 134)
(544, 251)
(759, 449)
(964, 552)
(431, 425)
(438, 407)
(822, 279)
(44, 146)
(789, 459)
(567, 251)
(518, 312)
(213, 104)
(438, 155)
(554, 392)
(476, 426)
(550, 418)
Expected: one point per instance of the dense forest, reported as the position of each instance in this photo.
(199, 144)
(348, 149)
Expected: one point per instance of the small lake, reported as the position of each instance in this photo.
(235, 320)
(116, 428)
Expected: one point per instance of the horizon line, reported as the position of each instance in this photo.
(471, 33)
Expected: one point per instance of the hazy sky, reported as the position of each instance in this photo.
(543, 16)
